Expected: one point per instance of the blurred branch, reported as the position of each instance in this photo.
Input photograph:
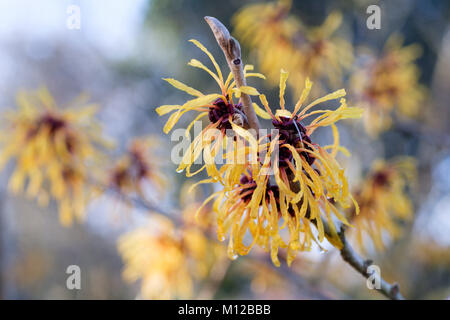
(391, 291)
(414, 128)
(141, 202)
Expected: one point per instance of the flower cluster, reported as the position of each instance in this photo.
(389, 83)
(307, 184)
(383, 201)
(166, 259)
(281, 41)
(223, 114)
(137, 168)
(54, 150)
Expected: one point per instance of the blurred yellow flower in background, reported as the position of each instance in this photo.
(168, 260)
(53, 149)
(389, 84)
(383, 201)
(281, 41)
(138, 167)
(158, 260)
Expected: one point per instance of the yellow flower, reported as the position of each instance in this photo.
(308, 182)
(383, 201)
(280, 41)
(136, 168)
(51, 147)
(221, 111)
(158, 260)
(387, 84)
(255, 207)
(325, 54)
(168, 261)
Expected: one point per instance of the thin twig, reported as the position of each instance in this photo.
(232, 51)
(420, 130)
(349, 255)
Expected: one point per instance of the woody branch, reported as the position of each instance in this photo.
(232, 52)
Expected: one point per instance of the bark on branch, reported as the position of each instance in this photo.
(391, 291)
(232, 52)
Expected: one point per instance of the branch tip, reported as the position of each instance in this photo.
(232, 51)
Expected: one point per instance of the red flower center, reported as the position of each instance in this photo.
(221, 112)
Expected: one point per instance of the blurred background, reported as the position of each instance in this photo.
(119, 57)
